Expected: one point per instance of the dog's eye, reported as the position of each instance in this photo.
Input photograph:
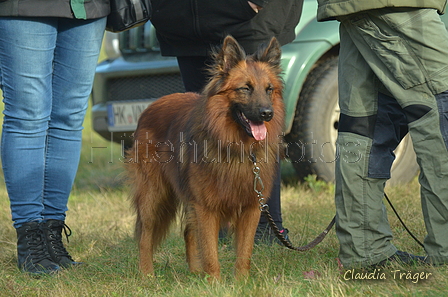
(245, 89)
(269, 89)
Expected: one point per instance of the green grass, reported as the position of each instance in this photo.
(102, 224)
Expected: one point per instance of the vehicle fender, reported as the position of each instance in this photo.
(313, 41)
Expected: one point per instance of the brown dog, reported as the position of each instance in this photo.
(192, 156)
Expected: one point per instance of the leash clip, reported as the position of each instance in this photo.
(259, 188)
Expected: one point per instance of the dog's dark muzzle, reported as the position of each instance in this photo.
(253, 119)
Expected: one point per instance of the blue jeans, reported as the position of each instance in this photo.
(47, 66)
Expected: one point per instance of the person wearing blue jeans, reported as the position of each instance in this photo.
(48, 54)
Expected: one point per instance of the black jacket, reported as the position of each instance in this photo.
(192, 27)
(55, 8)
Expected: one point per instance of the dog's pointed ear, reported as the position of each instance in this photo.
(271, 53)
(230, 55)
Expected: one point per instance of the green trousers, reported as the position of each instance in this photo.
(393, 78)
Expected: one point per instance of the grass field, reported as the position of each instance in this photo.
(102, 225)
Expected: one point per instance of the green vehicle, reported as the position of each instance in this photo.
(135, 75)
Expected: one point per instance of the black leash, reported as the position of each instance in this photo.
(402, 223)
(286, 243)
(264, 208)
(265, 211)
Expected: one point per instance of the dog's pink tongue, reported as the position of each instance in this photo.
(258, 130)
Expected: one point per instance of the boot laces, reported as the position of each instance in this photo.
(55, 239)
(37, 245)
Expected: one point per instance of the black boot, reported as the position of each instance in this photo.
(53, 235)
(32, 251)
(265, 235)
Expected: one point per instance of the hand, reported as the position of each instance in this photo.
(254, 6)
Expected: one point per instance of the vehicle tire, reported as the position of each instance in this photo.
(311, 143)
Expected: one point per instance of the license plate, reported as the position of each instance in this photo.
(123, 116)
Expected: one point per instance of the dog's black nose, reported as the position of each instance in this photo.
(266, 114)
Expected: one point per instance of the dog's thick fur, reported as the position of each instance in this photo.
(191, 156)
